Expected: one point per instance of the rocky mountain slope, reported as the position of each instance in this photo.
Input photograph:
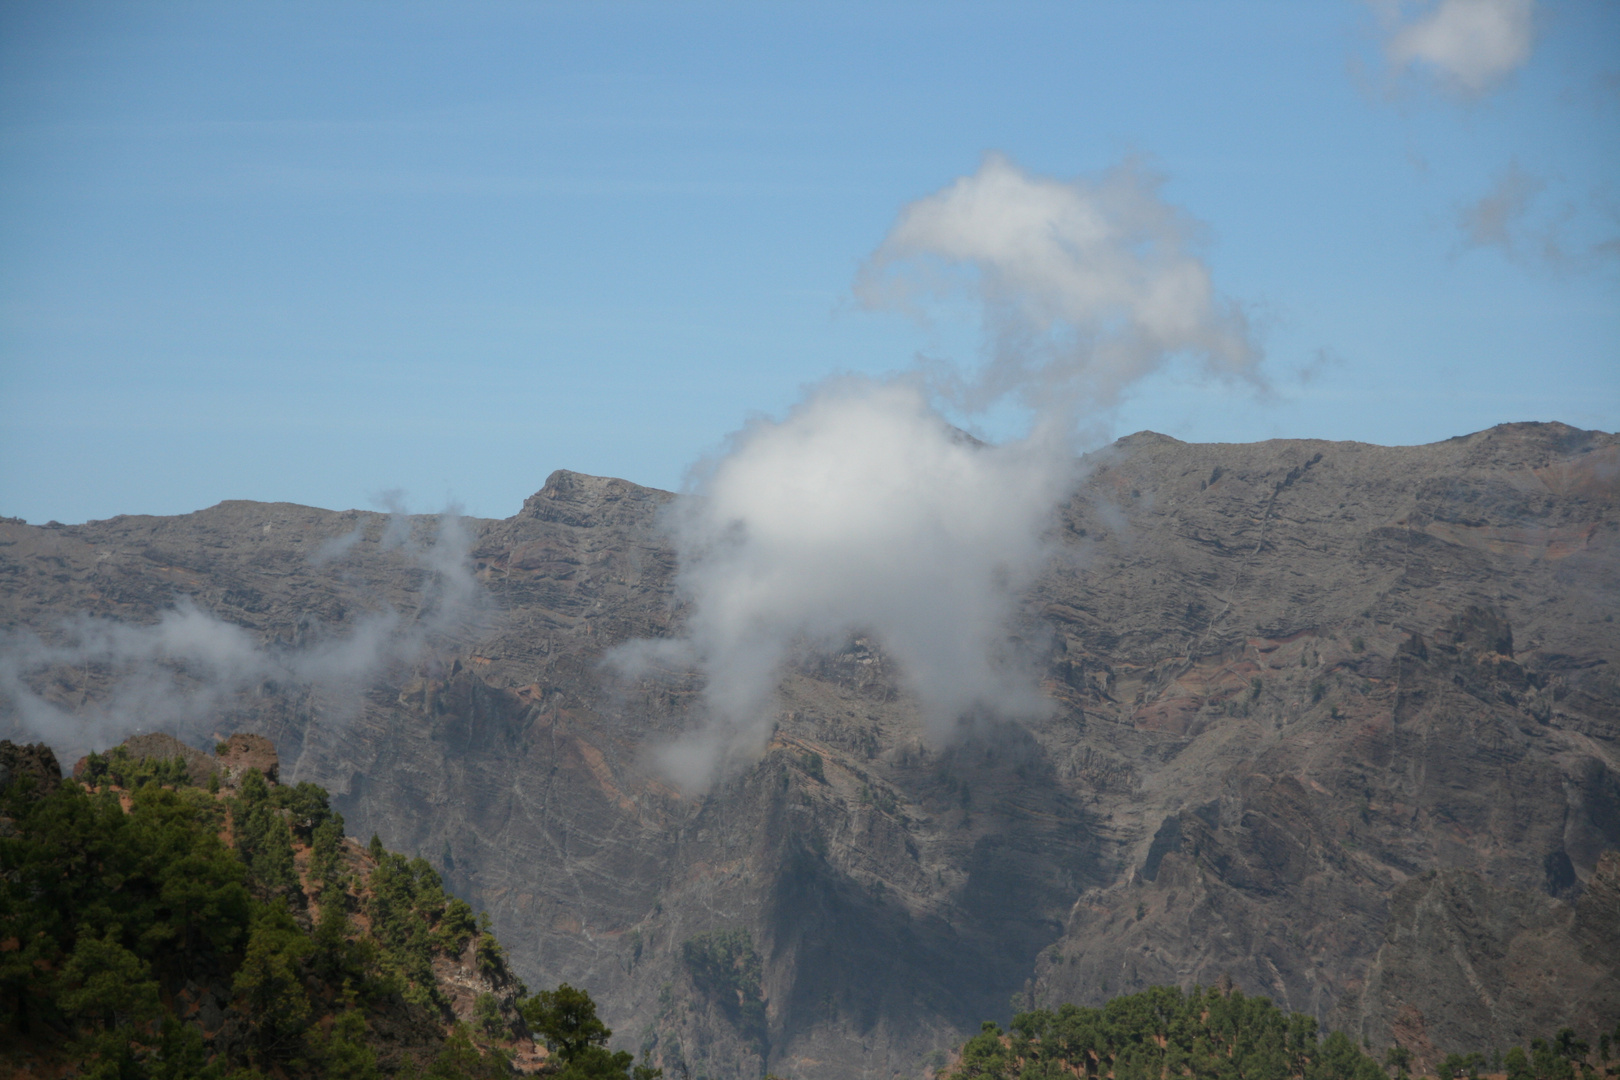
(174, 913)
(1338, 721)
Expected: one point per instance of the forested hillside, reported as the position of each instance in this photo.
(1218, 1032)
(185, 916)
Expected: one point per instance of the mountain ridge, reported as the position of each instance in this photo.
(896, 892)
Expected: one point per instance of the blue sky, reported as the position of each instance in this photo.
(314, 252)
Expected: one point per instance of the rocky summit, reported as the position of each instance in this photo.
(1332, 721)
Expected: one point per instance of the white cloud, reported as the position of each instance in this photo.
(1471, 44)
(180, 673)
(864, 512)
(1084, 286)
(861, 512)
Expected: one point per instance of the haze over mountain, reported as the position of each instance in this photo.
(1336, 720)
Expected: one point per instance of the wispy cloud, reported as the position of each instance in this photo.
(1512, 218)
(1498, 217)
(1470, 46)
(864, 512)
(182, 672)
(1083, 286)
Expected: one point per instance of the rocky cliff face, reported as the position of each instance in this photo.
(1336, 720)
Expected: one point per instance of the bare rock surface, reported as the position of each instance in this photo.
(1338, 721)
(1491, 966)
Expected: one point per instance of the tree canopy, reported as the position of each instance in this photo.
(133, 905)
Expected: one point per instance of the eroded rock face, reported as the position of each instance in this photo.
(1491, 967)
(1320, 709)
